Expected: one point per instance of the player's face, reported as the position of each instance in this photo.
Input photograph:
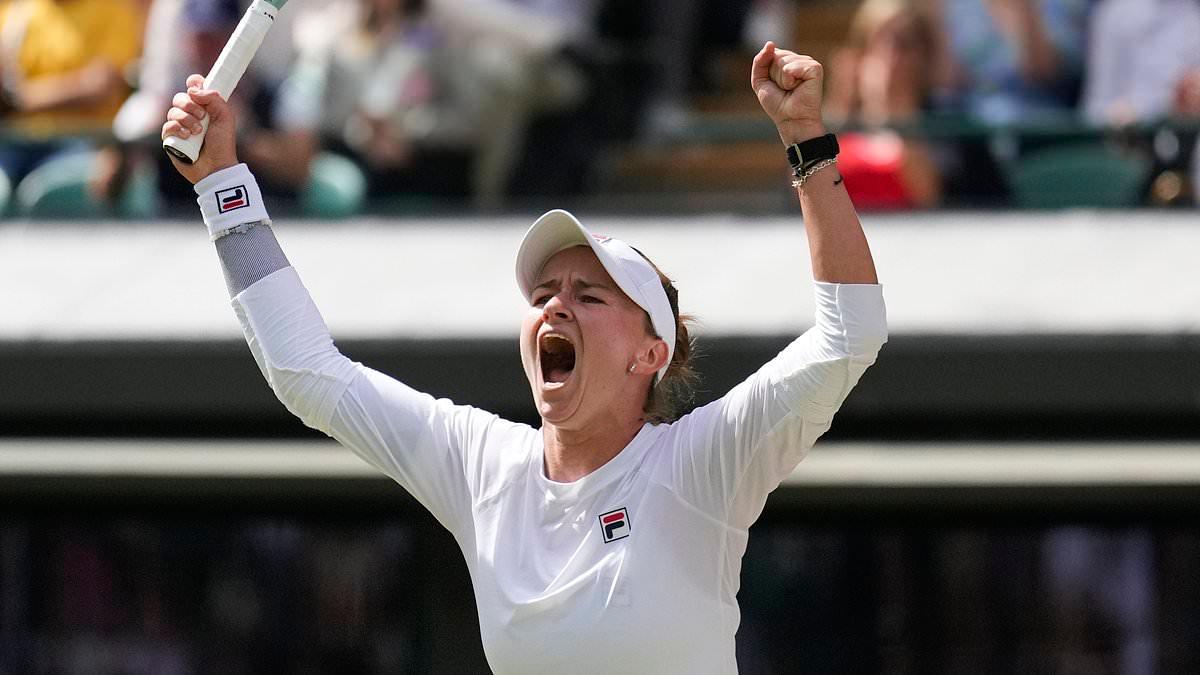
(578, 339)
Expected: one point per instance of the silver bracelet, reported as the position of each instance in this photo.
(798, 182)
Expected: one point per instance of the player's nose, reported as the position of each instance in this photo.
(556, 308)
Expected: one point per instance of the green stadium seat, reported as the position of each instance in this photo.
(1078, 175)
(336, 188)
(140, 199)
(59, 189)
(5, 193)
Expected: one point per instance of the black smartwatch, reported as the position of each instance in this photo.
(803, 155)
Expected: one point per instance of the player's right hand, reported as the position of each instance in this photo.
(788, 86)
(183, 120)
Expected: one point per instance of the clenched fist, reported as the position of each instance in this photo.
(788, 86)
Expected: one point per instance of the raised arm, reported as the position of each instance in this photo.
(421, 443)
(788, 86)
(287, 336)
(729, 455)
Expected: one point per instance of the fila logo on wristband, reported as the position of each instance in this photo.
(614, 525)
(232, 198)
(229, 198)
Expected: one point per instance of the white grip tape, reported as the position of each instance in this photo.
(229, 198)
(230, 66)
(240, 48)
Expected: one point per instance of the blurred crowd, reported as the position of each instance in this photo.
(470, 99)
(270, 594)
(1033, 102)
(133, 595)
(475, 102)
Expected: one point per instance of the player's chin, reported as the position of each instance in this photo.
(557, 401)
(559, 414)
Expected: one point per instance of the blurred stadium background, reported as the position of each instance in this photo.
(1014, 487)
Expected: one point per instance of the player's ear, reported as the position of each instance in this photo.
(653, 356)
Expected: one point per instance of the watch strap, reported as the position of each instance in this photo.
(807, 153)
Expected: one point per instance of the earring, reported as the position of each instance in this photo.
(632, 368)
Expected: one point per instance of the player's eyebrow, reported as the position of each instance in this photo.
(588, 284)
(549, 283)
(579, 284)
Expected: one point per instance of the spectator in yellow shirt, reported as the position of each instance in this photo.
(62, 65)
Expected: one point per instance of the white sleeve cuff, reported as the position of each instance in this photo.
(229, 198)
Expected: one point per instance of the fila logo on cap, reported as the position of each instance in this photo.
(614, 525)
(601, 238)
(232, 198)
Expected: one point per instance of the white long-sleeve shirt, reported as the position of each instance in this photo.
(631, 569)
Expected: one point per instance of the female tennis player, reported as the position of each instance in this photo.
(610, 539)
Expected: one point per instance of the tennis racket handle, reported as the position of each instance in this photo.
(227, 71)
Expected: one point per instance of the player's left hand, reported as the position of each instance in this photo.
(788, 86)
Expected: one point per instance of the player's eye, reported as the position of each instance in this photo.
(591, 299)
(540, 300)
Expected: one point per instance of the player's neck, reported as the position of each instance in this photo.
(571, 454)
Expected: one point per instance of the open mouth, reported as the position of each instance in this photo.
(557, 356)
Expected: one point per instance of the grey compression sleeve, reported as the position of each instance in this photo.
(238, 224)
(249, 253)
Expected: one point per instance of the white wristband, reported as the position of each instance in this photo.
(229, 198)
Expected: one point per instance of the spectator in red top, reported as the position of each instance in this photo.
(880, 81)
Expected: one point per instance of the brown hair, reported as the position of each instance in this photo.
(673, 396)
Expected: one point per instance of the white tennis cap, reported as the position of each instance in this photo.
(558, 230)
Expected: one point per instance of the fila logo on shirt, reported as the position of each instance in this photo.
(232, 198)
(614, 525)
